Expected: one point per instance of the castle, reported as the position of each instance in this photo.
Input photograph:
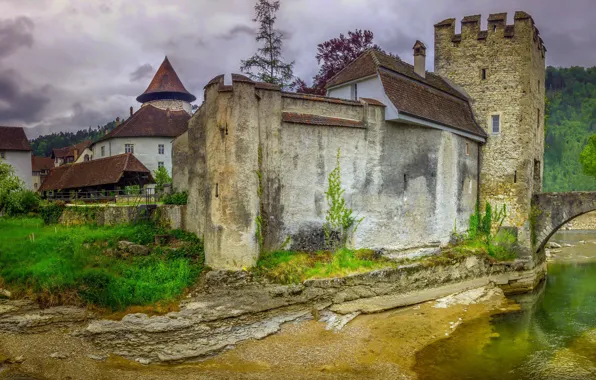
(417, 150)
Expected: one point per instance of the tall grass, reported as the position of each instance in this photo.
(58, 264)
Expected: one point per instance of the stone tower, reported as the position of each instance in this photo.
(502, 70)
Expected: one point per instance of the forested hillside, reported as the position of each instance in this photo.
(43, 145)
(571, 93)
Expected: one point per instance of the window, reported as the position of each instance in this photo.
(35, 185)
(129, 148)
(160, 149)
(103, 151)
(160, 164)
(496, 124)
(86, 157)
(515, 177)
(483, 74)
(494, 28)
(354, 91)
(2, 154)
(467, 149)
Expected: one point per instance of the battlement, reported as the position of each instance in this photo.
(523, 26)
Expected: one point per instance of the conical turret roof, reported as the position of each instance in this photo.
(166, 85)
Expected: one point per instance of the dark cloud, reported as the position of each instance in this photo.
(239, 30)
(17, 104)
(14, 34)
(142, 72)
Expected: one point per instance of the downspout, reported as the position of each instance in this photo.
(478, 174)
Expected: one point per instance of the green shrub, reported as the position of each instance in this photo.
(21, 202)
(52, 212)
(162, 177)
(175, 198)
(132, 190)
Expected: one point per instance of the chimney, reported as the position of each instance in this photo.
(117, 121)
(131, 109)
(420, 59)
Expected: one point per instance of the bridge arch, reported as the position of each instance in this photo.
(551, 211)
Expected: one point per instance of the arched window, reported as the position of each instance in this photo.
(86, 157)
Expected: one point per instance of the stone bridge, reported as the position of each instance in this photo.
(553, 210)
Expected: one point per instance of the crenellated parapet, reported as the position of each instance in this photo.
(523, 28)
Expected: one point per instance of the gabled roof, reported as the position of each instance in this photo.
(104, 171)
(431, 98)
(41, 163)
(150, 121)
(166, 85)
(70, 150)
(13, 138)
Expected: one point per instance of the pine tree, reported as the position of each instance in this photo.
(267, 64)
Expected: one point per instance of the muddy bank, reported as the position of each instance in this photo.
(376, 346)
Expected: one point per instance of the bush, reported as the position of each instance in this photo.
(176, 198)
(21, 202)
(52, 212)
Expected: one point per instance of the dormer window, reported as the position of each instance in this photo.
(354, 91)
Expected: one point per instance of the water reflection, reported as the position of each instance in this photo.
(553, 336)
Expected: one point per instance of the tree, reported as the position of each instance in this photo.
(588, 157)
(162, 177)
(267, 65)
(334, 55)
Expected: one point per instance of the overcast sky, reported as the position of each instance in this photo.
(71, 64)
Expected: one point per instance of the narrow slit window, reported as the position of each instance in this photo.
(354, 91)
(538, 118)
(494, 28)
(483, 74)
(496, 124)
(217, 190)
(467, 149)
(405, 181)
(226, 129)
(515, 177)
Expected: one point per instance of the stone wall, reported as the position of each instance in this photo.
(173, 216)
(257, 178)
(513, 60)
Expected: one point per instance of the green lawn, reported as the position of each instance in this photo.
(73, 265)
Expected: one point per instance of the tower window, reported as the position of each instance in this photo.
(538, 118)
(515, 177)
(496, 124)
(354, 91)
(467, 149)
(483, 74)
(494, 28)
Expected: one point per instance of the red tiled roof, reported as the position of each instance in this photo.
(41, 163)
(166, 85)
(416, 99)
(431, 98)
(150, 121)
(301, 118)
(70, 150)
(104, 171)
(374, 102)
(13, 138)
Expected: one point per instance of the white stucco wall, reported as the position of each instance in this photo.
(82, 155)
(145, 150)
(21, 162)
(367, 88)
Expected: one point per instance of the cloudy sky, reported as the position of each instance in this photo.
(71, 64)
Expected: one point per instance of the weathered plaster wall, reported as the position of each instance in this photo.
(174, 105)
(21, 162)
(513, 89)
(257, 183)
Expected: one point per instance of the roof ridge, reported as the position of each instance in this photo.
(362, 54)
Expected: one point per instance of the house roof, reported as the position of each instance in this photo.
(69, 150)
(166, 85)
(150, 121)
(431, 97)
(103, 171)
(41, 163)
(13, 138)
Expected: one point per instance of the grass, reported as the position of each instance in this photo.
(289, 267)
(72, 265)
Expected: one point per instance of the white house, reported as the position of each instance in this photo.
(16, 151)
(148, 132)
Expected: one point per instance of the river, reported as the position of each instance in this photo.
(553, 336)
(548, 334)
